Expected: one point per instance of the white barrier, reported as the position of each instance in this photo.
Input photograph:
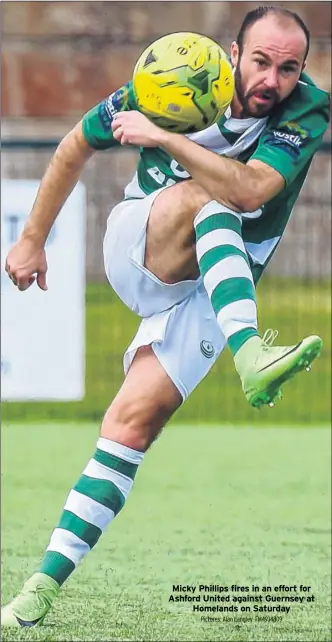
(43, 333)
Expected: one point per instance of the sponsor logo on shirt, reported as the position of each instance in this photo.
(117, 101)
(112, 105)
(104, 116)
(290, 136)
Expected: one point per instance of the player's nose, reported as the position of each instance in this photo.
(271, 78)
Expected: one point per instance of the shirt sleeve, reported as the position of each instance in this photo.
(292, 138)
(97, 123)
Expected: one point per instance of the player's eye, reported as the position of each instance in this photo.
(288, 70)
(261, 63)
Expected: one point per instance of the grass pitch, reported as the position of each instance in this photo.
(210, 505)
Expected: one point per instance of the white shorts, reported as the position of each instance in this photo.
(124, 250)
(186, 339)
(178, 319)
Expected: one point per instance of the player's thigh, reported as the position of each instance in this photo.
(144, 403)
(186, 340)
(170, 237)
(124, 250)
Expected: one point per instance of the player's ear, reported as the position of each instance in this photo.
(234, 53)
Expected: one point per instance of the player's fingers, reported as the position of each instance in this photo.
(23, 284)
(125, 140)
(116, 123)
(118, 134)
(41, 281)
(7, 269)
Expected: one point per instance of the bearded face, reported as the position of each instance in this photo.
(267, 65)
(257, 102)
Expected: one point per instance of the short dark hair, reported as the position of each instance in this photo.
(264, 10)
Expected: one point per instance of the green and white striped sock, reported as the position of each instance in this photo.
(226, 272)
(95, 500)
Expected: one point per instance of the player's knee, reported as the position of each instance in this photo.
(193, 196)
(181, 201)
(135, 423)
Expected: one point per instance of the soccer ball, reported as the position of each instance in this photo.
(183, 82)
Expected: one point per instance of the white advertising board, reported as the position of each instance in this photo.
(43, 333)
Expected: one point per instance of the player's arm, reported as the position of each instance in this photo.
(243, 188)
(285, 148)
(240, 187)
(93, 132)
(58, 182)
(27, 257)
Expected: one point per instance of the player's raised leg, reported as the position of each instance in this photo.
(182, 215)
(143, 405)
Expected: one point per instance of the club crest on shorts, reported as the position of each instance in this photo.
(207, 349)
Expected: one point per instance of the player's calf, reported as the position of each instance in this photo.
(228, 279)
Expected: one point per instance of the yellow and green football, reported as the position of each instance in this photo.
(183, 82)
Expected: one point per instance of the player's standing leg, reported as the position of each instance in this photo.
(166, 360)
(145, 402)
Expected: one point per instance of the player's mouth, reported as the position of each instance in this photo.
(263, 97)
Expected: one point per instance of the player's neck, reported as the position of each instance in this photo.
(236, 108)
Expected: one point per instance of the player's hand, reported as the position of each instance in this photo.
(25, 263)
(132, 128)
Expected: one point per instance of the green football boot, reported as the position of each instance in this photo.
(32, 604)
(263, 368)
